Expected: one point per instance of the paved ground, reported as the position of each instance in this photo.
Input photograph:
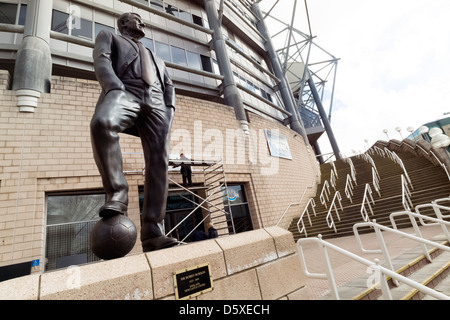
(346, 269)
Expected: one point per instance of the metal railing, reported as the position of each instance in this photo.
(333, 179)
(329, 218)
(366, 200)
(412, 216)
(383, 249)
(400, 163)
(437, 210)
(382, 271)
(306, 210)
(348, 190)
(324, 193)
(303, 195)
(406, 194)
(376, 181)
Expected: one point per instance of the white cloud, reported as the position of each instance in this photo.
(394, 68)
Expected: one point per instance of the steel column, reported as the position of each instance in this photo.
(324, 118)
(286, 93)
(230, 90)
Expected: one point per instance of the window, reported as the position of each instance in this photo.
(197, 20)
(162, 50)
(206, 63)
(157, 4)
(148, 43)
(70, 218)
(194, 60)
(216, 66)
(99, 27)
(82, 28)
(236, 203)
(178, 56)
(62, 22)
(186, 16)
(22, 14)
(59, 22)
(172, 10)
(8, 13)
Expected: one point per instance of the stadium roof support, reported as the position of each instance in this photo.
(309, 68)
(285, 90)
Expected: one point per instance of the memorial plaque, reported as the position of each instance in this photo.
(193, 281)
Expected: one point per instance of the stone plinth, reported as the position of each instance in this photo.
(256, 265)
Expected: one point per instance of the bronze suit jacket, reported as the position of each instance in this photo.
(113, 54)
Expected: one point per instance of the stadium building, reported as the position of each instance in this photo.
(244, 120)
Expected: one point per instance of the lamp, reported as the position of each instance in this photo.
(398, 129)
(434, 131)
(440, 140)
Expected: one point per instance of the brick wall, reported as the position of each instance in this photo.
(50, 151)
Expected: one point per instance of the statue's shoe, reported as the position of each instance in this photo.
(111, 208)
(159, 242)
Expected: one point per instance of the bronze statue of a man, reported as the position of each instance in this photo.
(138, 98)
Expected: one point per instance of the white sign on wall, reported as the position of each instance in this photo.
(278, 144)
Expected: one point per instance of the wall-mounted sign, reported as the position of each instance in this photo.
(193, 281)
(278, 145)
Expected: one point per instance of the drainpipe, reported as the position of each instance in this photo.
(295, 121)
(230, 90)
(33, 66)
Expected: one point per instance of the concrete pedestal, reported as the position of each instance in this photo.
(255, 265)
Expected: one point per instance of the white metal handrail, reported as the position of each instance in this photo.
(301, 199)
(352, 169)
(325, 191)
(441, 164)
(379, 151)
(383, 249)
(400, 163)
(333, 179)
(334, 169)
(412, 216)
(349, 188)
(406, 195)
(389, 153)
(329, 218)
(323, 245)
(300, 220)
(367, 193)
(436, 158)
(376, 181)
(439, 216)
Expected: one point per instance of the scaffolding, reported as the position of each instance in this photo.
(216, 201)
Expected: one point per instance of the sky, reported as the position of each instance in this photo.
(393, 69)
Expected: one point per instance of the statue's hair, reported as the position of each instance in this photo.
(124, 17)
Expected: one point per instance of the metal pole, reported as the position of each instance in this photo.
(323, 116)
(230, 90)
(285, 90)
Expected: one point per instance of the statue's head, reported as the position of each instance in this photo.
(131, 24)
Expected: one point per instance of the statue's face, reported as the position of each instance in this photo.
(134, 26)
